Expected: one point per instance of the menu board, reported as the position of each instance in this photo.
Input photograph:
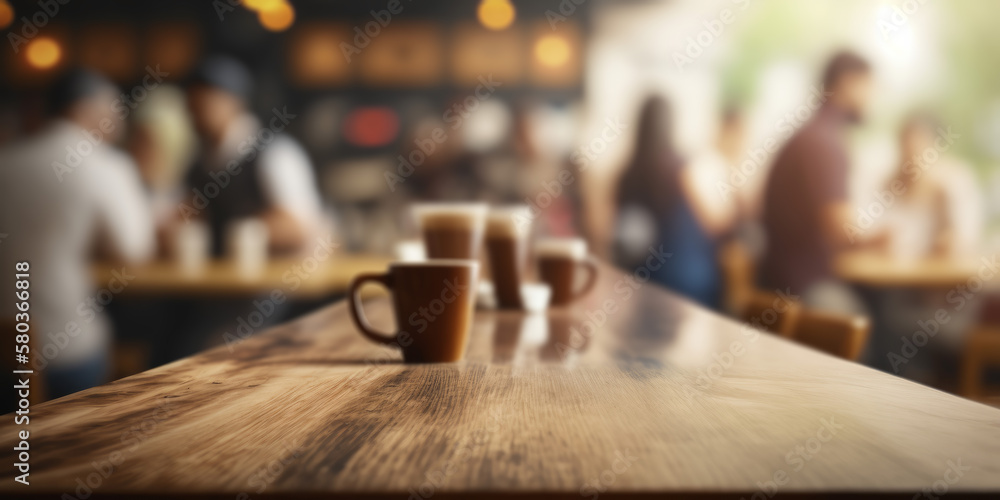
(478, 52)
(403, 54)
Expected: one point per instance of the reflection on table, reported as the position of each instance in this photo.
(673, 397)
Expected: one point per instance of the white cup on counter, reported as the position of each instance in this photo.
(247, 246)
(191, 247)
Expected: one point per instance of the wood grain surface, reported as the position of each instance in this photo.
(632, 393)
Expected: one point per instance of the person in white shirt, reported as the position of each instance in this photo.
(938, 209)
(65, 194)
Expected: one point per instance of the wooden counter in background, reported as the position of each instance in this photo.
(634, 393)
(296, 276)
(880, 270)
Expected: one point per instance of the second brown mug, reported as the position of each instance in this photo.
(559, 259)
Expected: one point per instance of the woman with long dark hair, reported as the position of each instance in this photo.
(665, 202)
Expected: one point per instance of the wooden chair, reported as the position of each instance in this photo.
(982, 349)
(771, 312)
(840, 335)
(738, 276)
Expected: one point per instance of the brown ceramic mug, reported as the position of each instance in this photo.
(559, 260)
(433, 302)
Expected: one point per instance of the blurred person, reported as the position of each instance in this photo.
(445, 173)
(524, 172)
(244, 168)
(937, 208)
(65, 194)
(669, 205)
(723, 163)
(806, 206)
(742, 246)
(161, 142)
(255, 168)
(936, 212)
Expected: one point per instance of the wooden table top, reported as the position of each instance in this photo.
(881, 270)
(633, 393)
(297, 276)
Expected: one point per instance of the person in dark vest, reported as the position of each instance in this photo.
(246, 167)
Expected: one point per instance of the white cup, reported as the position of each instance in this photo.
(247, 241)
(191, 247)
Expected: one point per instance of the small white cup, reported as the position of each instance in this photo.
(247, 241)
(191, 247)
(411, 251)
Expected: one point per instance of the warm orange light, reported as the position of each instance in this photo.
(278, 17)
(552, 51)
(6, 14)
(259, 5)
(43, 52)
(496, 14)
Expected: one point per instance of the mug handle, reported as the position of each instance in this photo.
(591, 266)
(358, 313)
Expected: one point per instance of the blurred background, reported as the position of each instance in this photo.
(633, 123)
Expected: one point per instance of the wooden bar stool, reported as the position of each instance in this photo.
(840, 335)
(738, 276)
(982, 349)
(769, 311)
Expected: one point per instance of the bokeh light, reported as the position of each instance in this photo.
(43, 53)
(552, 51)
(277, 17)
(496, 14)
(6, 14)
(371, 126)
(259, 5)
